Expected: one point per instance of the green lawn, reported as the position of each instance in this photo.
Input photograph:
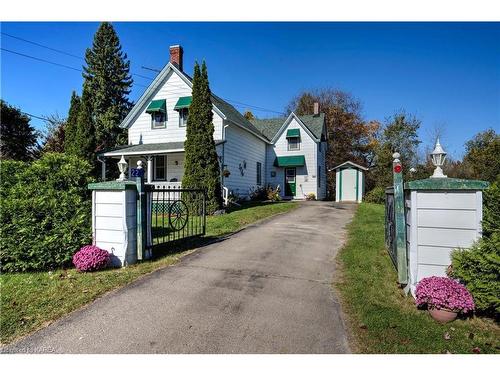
(381, 318)
(31, 300)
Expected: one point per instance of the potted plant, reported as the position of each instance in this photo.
(443, 297)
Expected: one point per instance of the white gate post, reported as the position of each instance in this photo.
(114, 224)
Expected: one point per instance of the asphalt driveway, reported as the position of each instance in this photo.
(266, 289)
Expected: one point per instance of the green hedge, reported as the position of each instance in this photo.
(46, 212)
(479, 267)
(376, 195)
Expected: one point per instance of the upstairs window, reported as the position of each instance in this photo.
(183, 116)
(293, 138)
(158, 120)
(182, 106)
(293, 144)
(158, 111)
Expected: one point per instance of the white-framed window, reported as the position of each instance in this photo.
(259, 173)
(293, 143)
(183, 116)
(158, 120)
(160, 168)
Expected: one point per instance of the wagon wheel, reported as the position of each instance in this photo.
(178, 215)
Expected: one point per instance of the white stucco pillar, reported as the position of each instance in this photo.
(150, 169)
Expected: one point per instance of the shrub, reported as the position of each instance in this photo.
(273, 194)
(311, 197)
(91, 258)
(479, 267)
(258, 194)
(46, 212)
(376, 195)
(443, 293)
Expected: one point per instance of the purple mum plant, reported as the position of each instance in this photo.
(91, 258)
(445, 294)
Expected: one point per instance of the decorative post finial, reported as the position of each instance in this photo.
(438, 157)
(122, 167)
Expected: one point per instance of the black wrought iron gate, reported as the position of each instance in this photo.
(390, 229)
(174, 214)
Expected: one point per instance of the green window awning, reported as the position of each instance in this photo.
(157, 106)
(183, 102)
(293, 133)
(290, 161)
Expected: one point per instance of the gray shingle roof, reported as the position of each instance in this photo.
(231, 113)
(269, 127)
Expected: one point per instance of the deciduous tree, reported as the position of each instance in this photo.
(350, 136)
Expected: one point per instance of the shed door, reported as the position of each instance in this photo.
(348, 185)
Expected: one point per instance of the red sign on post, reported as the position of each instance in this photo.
(397, 168)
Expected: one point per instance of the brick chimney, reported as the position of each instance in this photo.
(176, 56)
(316, 109)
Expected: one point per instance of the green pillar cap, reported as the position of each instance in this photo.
(112, 185)
(446, 184)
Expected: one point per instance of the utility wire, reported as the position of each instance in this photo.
(61, 52)
(38, 117)
(241, 104)
(50, 62)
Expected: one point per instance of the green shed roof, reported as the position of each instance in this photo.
(159, 105)
(290, 161)
(183, 102)
(292, 133)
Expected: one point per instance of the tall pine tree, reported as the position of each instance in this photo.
(70, 145)
(85, 134)
(107, 76)
(201, 168)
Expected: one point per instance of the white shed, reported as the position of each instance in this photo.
(350, 182)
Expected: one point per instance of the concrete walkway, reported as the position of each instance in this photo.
(267, 289)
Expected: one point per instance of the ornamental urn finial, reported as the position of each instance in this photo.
(438, 157)
(122, 167)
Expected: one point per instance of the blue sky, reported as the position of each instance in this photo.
(447, 74)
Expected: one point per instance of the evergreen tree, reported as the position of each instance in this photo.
(18, 139)
(70, 145)
(201, 169)
(85, 141)
(107, 76)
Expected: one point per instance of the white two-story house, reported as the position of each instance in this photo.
(286, 152)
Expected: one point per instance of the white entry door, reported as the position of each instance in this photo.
(348, 185)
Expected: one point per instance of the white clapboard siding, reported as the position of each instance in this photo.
(172, 89)
(444, 221)
(242, 146)
(447, 200)
(306, 179)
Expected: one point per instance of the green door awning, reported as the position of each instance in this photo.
(290, 161)
(183, 102)
(157, 106)
(293, 133)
